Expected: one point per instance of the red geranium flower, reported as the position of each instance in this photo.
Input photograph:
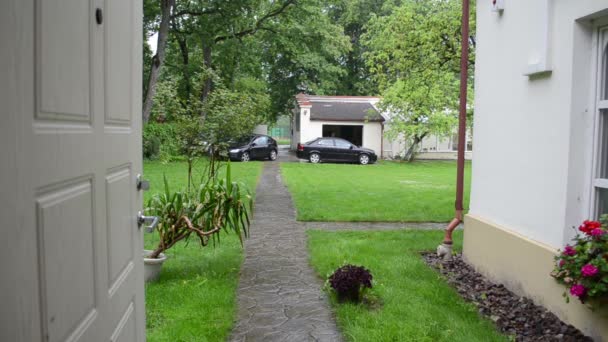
(588, 226)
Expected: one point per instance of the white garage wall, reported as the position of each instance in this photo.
(372, 131)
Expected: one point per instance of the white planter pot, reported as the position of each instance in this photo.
(152, 266)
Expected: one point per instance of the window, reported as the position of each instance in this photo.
(600, 181)
(261, 141)
(342, 143)
(325, 142)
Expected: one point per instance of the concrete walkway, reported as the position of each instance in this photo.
(279, 295)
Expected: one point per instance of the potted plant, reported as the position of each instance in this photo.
(349, 282)
(583, 266)
(216, 205)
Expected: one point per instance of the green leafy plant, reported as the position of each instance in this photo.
(349, 282)
(163, 134)
(583, 266)
(216, 205)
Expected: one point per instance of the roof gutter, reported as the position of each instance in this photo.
(445, 249)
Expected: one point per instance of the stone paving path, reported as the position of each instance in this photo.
(279, 295)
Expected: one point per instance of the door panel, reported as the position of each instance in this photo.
(63, 58)
(75, 150)
(119, 222)
(66, 242)
(118, 54)
(260, 150)
(126, 329)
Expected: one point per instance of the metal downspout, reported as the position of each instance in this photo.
(445, 249)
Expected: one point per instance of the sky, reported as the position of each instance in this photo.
(152, 42)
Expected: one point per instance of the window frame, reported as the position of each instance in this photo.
(333, 143)
(336, 140)
(599, 105)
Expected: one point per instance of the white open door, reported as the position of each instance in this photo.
(70, 151)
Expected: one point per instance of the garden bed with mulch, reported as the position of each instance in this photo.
(514, 316)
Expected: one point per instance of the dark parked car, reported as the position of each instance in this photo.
(335, 149)
(254, 147)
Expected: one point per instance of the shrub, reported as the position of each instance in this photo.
(217, 205)
(583, 266)
(349, 282)
(165, 134)
(151, 147)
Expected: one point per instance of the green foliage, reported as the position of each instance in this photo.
(217, 204)
(583, 266)
(230, 115)
(151, 147)
(304, 53)
(194, 279)
(165, 135)
(353, 16)
(409, 301)
(414, 55)
(167, 104)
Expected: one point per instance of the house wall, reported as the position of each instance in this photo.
(524, 132)
(531, 178)
(431, 147)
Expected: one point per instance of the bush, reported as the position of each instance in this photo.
(216, 205)
(349, 281)
(164, 136)
(583, 266)
(151, 147)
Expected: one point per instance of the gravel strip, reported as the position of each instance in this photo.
(515, 316)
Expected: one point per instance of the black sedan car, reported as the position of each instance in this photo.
(254, 146)
(335, 149)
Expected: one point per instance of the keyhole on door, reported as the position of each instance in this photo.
(99, 16)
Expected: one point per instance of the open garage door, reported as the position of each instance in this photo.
(354, 134)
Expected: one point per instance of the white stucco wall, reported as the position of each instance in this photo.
(533, 135)
(432, 147)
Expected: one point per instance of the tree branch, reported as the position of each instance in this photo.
(259, 22)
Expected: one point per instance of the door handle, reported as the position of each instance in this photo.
(142, 184)
(151, 221)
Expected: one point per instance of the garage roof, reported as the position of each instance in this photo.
(344, 111)
(341, 108)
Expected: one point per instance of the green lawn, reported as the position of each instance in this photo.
(194, 299)
(415, 303)
(177, 174)
(422, 191)
(283, 141)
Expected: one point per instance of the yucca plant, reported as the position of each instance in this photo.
(216, 204)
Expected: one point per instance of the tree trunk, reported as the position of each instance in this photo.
(159, 58)
(208, 81)
(183, 47)
(410, 154)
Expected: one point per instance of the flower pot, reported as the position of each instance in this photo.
(152, 266)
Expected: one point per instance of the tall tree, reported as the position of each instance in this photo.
(414, 55)
(159, 58)
(278, 47)
(353, 16)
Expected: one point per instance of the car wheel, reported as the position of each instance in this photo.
(245, 157)
(273, 155)
(364, 159)
(314, 158)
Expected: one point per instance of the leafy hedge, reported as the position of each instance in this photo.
(160, 141)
